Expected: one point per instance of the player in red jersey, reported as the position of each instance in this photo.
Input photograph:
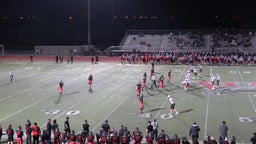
(141, 103)
(139, 89)
(90, 79)
(161, 82)
(61, 84)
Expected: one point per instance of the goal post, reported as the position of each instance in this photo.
(1, 50)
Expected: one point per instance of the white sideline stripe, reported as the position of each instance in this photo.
(167, 97)
(250, 98)
(207, 110)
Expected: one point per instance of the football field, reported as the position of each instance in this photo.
(34, 95)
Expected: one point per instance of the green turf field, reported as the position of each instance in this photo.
(34, 95)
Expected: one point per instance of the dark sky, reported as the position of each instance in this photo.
(51, 23)
(127, 7)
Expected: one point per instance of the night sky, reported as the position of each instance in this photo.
(56, 22)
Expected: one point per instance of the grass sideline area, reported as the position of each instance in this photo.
(33, 95)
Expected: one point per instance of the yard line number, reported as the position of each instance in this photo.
(55, 112)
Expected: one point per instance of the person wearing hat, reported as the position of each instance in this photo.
(172, 103)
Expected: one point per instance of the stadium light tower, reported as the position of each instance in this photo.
(89, 27)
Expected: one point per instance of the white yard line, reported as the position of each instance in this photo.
(24, 108)
(250, 98)
(70, 108)
(206, 115)
(167, 97)
(109, 114)
(103, 119)
(20, 110)
(207, 110)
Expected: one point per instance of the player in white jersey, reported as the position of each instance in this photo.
(172, 103)
(218, 80)
(200, 68)
(195, 76)
(213, 81)
(11, 77)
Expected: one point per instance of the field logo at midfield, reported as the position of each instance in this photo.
(229, 87)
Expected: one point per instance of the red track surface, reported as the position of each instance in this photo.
(52, 58)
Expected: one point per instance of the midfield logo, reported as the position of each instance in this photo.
(229, 88)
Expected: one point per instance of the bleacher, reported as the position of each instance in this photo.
(187, 41)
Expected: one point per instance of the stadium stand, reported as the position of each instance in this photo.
(222, 41)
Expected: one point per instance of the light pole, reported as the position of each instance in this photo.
(89, 27)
